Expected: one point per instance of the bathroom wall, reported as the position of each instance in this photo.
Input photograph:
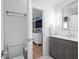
(36, 13)
(48, 19)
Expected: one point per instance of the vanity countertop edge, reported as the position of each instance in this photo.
(63, 37)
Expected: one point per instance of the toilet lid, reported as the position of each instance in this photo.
(18, 57)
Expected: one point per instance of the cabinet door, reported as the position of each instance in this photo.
(68, 52)
(19, 6)
(64, 49)
(75, 53)
(60, 51)
(52, 47)
(75, 50)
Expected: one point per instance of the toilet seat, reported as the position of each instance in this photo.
(45, 57)
(18, 57)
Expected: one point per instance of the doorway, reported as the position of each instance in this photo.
(37, 33)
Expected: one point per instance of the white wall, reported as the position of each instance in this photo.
(48, 19)
(36, 13)
(19, 6)
(59, 17)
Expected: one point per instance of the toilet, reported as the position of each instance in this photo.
(15, 51)
(45, 57)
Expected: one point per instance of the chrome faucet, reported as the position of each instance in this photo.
(68, 34)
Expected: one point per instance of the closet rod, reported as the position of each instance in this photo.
(15, 13)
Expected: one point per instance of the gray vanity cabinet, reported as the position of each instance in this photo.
(75, 50)
(63, 49)
(52, 48)
(68, 52)
(60, 48)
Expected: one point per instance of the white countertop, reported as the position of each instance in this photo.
(65, 37)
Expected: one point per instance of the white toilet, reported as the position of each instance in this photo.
(15, 51)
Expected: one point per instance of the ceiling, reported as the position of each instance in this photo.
(51, 2)
(46, 3)
(71, 5)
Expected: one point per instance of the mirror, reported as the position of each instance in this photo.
(70, 11)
